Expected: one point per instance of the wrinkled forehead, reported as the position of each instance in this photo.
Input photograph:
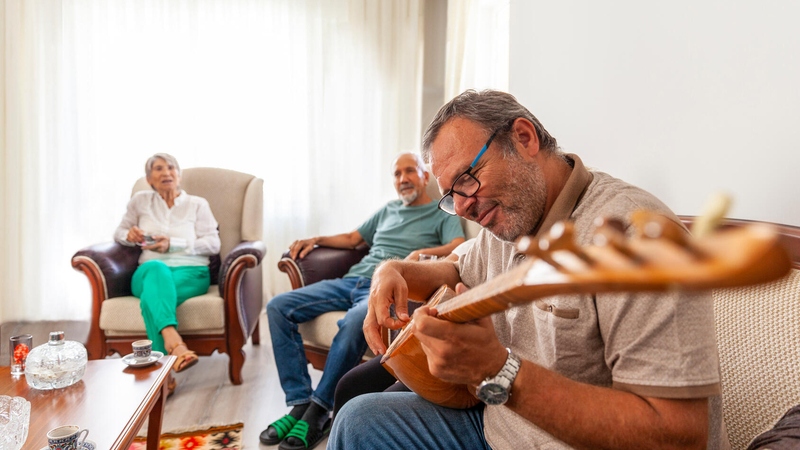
(458, 142)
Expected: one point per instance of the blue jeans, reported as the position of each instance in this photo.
(285, 311)
(405, 420)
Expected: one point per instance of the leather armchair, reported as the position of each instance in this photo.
(226, 316)
(321, 264)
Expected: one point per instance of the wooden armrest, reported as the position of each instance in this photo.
(245, 255)
(241, 290)
(109, 267)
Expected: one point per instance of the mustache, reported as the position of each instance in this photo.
(406, 185)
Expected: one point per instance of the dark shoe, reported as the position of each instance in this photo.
(277, 430)
(303, 437)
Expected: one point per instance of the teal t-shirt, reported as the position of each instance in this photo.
(397, 230)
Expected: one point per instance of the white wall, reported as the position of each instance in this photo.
(683, 98)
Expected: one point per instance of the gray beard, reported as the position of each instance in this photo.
(527, 187)
(409, 198)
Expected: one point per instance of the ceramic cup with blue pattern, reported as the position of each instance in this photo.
(66, 438)
(142, 350)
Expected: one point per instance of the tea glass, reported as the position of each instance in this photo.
(19, 347)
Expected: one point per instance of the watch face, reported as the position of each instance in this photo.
(493, 394)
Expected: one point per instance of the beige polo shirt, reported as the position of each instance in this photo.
(657, 345)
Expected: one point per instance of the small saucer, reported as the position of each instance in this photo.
(154, 356)
(87, 445)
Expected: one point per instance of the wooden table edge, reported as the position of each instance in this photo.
(152, 407)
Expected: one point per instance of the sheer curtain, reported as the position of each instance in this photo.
(477, 46)
(316, 97)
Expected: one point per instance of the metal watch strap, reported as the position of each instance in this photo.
(502, 381)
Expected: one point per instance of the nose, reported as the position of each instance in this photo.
(462, 205)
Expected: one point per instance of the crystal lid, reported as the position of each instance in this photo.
(56, 338)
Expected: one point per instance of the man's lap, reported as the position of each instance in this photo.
(405, 420)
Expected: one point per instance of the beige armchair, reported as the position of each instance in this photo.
(222, 319)
(758, 336)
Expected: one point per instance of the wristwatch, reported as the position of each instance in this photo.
(496, 390)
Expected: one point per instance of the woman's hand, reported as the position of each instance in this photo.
(160, 246)
(135, 235)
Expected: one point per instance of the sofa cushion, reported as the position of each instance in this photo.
(203, 314)
(321, 331)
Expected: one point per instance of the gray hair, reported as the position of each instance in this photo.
(420, 163)
(491, 110)
(148, 166)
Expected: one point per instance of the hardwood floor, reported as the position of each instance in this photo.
(205, 395)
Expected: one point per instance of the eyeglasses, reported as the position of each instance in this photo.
(465, 185)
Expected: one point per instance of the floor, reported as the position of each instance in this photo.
(205, 395)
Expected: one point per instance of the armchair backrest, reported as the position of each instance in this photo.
(236, 199)
(758, 331)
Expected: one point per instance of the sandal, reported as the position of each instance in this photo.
(280, 428)
(185, 360)
(302, 439)
(172, 383)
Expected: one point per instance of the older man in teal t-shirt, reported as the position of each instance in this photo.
(403, 228)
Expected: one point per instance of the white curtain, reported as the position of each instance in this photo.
(316, 97)
(477, 46)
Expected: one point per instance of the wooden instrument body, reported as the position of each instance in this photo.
(665, 261)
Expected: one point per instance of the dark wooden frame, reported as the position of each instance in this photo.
(110, 266)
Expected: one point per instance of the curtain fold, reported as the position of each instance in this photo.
(477, 46)
(316, 97)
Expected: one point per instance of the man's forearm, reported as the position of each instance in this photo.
(424, 278)
(586, 416)
(442, 250)
(344, 240)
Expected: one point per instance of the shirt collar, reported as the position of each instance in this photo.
(569, 196)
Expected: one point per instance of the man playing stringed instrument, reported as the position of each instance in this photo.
(606, 370)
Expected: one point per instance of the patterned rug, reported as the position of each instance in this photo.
(227, 437)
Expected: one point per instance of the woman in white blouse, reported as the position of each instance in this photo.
(177, 233)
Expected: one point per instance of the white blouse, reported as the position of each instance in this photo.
(190, 225)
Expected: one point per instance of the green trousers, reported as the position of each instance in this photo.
(161, 289)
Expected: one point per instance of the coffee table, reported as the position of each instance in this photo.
(112, 400)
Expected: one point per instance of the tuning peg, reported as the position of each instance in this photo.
(560, 237)
(611, 232)
(529, 245)
(656, 226)
(715, 210)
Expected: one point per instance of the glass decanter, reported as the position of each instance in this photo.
(57, 364)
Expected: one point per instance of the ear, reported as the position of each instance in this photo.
(525, 134)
